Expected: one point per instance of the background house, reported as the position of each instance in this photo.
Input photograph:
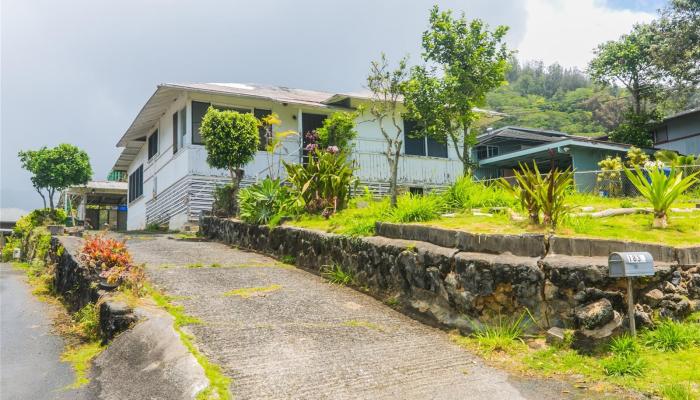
(679, 132)
(169, 181)
(499, 152)
(98, 204)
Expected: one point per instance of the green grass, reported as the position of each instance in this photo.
(218, 382)
(252, 291)
(200, 265)
(672, 336)
(503, 335)
(337, 275)
(80, 358)
(632, 363)
(88, 320)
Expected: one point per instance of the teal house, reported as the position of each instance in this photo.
(500, 151)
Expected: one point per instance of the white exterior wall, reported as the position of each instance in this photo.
(179, 183)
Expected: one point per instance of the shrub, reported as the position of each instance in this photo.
(224, 200)
(610, 176)
(659, 189)
(338, 130)
(622, 365)
(416, 208)
(88, 321)
(110, 259)
(265, 202)
(671, 336)
(324, 183)
(466, 193)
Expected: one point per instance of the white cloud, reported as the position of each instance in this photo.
(567, 31)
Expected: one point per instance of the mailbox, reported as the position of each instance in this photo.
(630, 264)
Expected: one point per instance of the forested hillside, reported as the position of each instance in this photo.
(556, 98)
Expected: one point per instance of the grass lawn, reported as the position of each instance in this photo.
(671, 374)
(683, 230)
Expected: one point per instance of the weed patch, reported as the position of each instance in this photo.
(80, 358)
(252, 291)
(337, 275)
(363, 324)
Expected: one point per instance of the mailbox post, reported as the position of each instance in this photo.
(629, 265)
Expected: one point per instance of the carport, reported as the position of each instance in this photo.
(97, 205)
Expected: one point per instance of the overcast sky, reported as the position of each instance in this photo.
(79, 71)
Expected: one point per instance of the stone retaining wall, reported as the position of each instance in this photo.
(79, 287)
(535, 245)
(453, 288)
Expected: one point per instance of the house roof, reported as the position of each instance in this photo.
(546, 150)
(114, 186)
(520, 133)
(682, 114)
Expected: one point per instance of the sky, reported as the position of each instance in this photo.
(78, 71)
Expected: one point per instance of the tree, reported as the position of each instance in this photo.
(338, 130)
(55, 169)
(676, 47)
(635, 128)
(471, 62)
(628, 61)
(387, 86)
(231, 140)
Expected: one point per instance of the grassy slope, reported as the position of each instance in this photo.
(684, 229)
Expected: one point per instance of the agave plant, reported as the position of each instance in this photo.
(661, 189)
(265, 202)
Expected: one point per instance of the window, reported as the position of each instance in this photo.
(483, 152)
(175, 135)
(421, 146)
(153, 144)
(262, 130)
(199, 109)
(661, 135)
(136, 184)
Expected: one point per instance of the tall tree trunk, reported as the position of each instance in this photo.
(466, 164)
(51, 192)
(394, 176)
(43, 198)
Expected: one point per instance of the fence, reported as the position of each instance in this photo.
(610, 183)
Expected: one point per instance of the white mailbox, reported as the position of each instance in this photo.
(630, 264)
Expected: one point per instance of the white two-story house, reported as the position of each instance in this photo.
(165, 160)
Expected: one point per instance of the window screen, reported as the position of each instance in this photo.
(153, 144)
(198, 111)
(136, 184)
(175, 126)
(436, 149)
(414, 146)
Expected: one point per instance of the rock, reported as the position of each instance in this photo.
(587, 341)
(642, 317)
(587, 209)
(668, 287)
(653, 297)
(556, 336)
(676, 278)
(588, 295)
(595, 314)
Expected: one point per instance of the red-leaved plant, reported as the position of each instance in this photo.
(110, 258)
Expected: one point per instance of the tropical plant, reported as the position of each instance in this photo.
(110, 258)
(610, 176)
(688, 164)
(265, 202)
(526, 181)
(336, 274)
(231, 140)
(274, 142)
(387, 87)
(338, 130)
(660, 189)
(672, 336)
(636, 156)
(503, 334)
(54, 169)
(323, 184)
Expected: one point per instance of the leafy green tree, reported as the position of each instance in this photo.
(231, 140)
(472, 61)
(635, 128)
(629, 61)
(55, 169)
(676, 47)
(387, 87)
(338, 130)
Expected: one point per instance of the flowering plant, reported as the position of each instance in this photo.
(110, 258)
